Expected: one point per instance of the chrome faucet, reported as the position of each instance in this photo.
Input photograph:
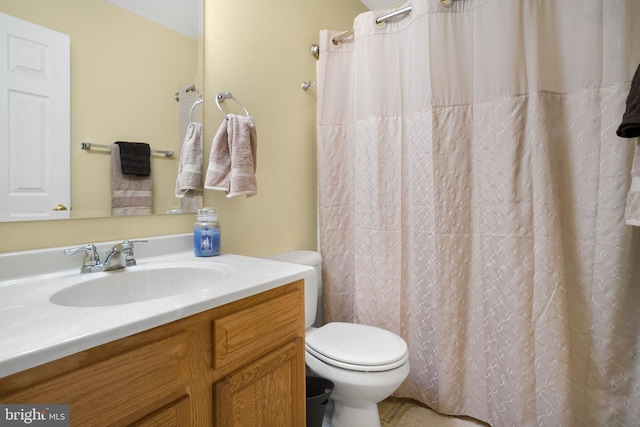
(91, 261)
(119, 256)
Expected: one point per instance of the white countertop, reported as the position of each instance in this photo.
(34, 330)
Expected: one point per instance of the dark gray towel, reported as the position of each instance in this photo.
(630, 126)
(135, 158)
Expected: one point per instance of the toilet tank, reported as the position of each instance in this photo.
(312, 285)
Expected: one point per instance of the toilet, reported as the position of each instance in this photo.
(365, 363)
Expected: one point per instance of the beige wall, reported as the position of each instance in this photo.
(259, 51)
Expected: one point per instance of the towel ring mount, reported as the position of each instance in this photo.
(221, 96)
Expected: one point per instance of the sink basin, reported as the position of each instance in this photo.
(132, 285)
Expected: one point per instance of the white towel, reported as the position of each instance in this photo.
(632, 211)
(232, 161)
(130, 194)
(189, 181)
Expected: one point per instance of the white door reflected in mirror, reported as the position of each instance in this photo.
(35, 105)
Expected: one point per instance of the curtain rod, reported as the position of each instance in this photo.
(384, 18)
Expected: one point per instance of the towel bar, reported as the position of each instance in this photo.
(89, 145)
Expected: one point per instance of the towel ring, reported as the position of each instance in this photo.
(221, 96)
(198, 101)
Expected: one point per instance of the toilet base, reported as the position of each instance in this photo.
(347, 416)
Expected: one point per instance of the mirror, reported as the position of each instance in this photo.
(128, 61)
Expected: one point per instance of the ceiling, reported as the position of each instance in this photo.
(381, 4)
(183, 16)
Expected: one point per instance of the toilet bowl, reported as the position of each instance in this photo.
(365, 363)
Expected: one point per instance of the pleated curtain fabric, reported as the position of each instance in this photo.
(471, 191)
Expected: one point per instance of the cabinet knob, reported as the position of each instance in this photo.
(59, 207)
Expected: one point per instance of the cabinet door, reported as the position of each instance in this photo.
(268, 392)
(174, 415)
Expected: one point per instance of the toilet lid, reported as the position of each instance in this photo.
(357, 347)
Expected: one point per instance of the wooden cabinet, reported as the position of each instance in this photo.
(263, 393)
(125, 387)
(241, 364)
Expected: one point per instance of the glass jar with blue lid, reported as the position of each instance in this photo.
(206, 233)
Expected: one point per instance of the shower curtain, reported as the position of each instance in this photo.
(471, 192)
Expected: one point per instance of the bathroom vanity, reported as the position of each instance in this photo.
(239, 362)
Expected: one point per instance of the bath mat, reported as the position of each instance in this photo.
(397, 412)
(421, 417)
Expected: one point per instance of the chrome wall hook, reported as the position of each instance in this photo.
(315, 51)
(307, 85)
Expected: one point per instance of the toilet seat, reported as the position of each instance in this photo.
(357, 347)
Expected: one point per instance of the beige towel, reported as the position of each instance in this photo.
(232, 161)
(189, 203)
(632, 211)
(130, 194)
(189, 181)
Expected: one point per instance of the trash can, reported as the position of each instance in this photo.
(318, 392)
